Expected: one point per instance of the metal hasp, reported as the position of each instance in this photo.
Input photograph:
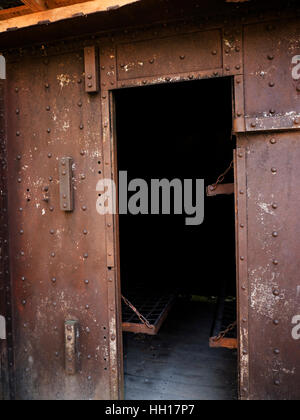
(220, 189)
(2, 328)
(91, 69)
(65, 182)
(71, 347)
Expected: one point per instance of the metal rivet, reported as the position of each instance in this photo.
(275, 262)
(53, 280)
(277, 383)
(87, 307)
(47, 85)
(52, 254)
(274, 170)
(276, 322)
(49, 155)
(275, 234)
(86, 281)
(272, 84)
(245, 352)
(276, 292)
(81, 126)
(18, 133)
(23, 302)
(297, 121)
(275, 206)
(271, 57)
(273, 141)
(85, 255)
(85, 232)
(242, 192)
(253, 124)
(48, 108)
(277, 351)
(242, 258)
(82, 152)
(84, 208)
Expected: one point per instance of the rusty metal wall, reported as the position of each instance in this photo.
(64, 266)
(270, 335)
(59, 268)
(6, 344)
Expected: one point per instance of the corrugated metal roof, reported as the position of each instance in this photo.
(7, 4)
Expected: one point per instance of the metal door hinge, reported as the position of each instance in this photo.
(65, 182)
(91, 68)
(71, 347)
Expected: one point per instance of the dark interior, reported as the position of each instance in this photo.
(180, 131)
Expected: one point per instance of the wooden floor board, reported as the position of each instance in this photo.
(178, 363)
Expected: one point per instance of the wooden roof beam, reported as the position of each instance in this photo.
(61, 13)
(36, 5)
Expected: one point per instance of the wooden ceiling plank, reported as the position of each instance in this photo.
(61, 13)
(36, 5)
(14, 12)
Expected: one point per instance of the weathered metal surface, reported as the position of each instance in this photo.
(273, 201)
(272, 75)
(58, 259)
(108, 82)
(70, 270)
(242, 267)
(197, 51)
(6, 353)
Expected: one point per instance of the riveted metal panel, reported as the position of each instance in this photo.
(58, 259)
(6, 353)
(273, 174)
(181, 54)
(240, 156)
(272, 74)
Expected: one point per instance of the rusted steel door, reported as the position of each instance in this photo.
(269, 243)
(65, 337)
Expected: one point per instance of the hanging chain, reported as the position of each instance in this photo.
(222, 177)
(139, 315)
(225, 332)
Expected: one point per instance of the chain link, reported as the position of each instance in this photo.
(225, 332)
(139, 315)
(222, 177)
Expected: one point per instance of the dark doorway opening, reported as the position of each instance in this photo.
(181, 278)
